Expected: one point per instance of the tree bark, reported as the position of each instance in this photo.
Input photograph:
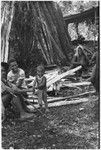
(51, 28)
(34, 23)
(60, 24)
(6, 27)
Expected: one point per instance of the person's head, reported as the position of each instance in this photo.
(4, 69)
(79, 50)
(40, 70)
(13, 65)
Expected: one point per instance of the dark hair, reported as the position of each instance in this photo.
(11, 60)
(5, 65)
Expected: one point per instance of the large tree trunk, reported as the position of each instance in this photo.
(61, 27)
(51, 29)
(36, 26)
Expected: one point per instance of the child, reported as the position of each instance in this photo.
(40, 85)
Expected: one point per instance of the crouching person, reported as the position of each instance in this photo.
(9, 95)
(80, 58)
(40, 85)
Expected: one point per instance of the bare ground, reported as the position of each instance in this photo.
(68, 127)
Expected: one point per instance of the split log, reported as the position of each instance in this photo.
(62, 103)
(68, 97)
(58, 77)
(76, 84)
(57, 99)
(52, 76)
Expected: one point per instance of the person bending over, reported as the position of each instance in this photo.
(79, 58)
(16, 78)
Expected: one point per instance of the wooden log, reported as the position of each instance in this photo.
(62, 103)
(57, 99)
(58, 77)
(52, 76)
(76, 84)
(74, 96)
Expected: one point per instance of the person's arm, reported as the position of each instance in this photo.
(20, 91)
(34, 85)
(21, 79)
(10, 78)
(19, 83)
(6, 88)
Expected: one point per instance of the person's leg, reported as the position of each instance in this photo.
(23, 115)
(24, 104)
(6, 99)
(39, 94)
(6, 102)
(45, 100)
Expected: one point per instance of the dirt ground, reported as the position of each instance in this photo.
(68, 127)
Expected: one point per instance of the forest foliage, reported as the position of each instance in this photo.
(87, 29)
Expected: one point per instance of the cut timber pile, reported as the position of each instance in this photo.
(54, 99)
(63, 75)
(54, 77)
(62, 103)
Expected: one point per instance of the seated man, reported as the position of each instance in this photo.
(79, 58)
(16, 75)
(9, 94)
(16, 78)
